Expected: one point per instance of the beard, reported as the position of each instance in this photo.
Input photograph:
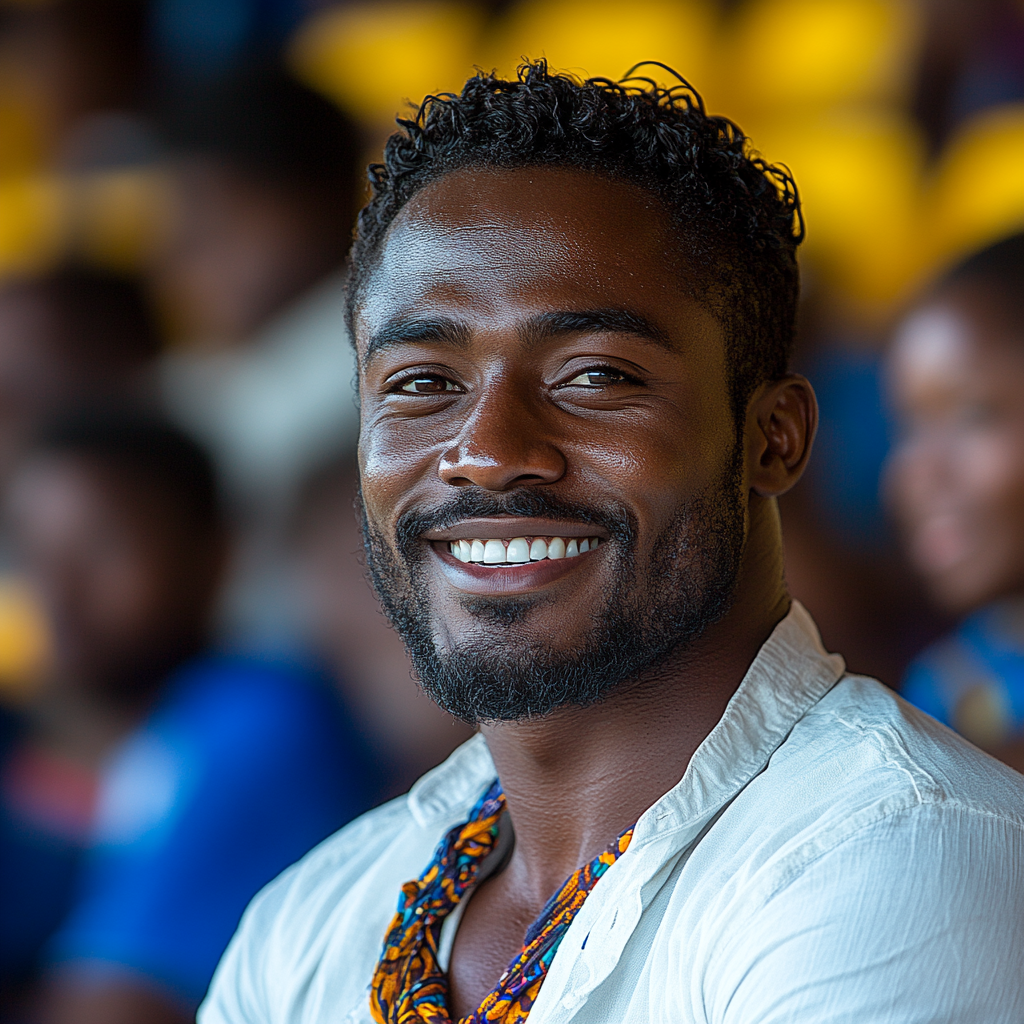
(497, 671)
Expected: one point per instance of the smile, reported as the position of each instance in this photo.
(519, 550)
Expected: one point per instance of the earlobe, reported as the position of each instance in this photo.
(782, 419)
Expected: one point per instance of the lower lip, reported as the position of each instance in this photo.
(522, 578)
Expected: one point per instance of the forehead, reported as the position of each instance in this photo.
(515, 242)
(957, 330)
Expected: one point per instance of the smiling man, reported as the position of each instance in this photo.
(573, 305)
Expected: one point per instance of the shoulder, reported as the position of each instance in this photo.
(312, 937)
(863, 752)
(871, 872)
(881, 740)
(865, 763)
(324, 877)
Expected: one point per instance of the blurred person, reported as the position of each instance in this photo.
(265, 180)
(213, 771)
(843, 560)
(574, 307)
(67, 338)
(74, 336)
(409, 733)
(956, 480)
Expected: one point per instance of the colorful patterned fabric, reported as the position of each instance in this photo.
(409, 986)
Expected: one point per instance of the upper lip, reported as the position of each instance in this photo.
(507, 527)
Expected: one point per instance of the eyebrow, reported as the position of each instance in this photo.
(401, 331)
(594, 321)
(538, 329)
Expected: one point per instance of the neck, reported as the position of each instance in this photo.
(576, 779)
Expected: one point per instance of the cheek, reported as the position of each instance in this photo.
(646, 465)
(125, 596)
(391, 463)
(992, 474)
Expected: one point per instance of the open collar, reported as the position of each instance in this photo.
(790, 674)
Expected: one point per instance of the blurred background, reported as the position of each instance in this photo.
(178, 181)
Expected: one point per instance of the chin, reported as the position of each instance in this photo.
(960, 593)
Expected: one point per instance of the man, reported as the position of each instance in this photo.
(573, 305)
(957, 483)
(210, 772)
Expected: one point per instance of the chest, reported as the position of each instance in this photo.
(490, 933)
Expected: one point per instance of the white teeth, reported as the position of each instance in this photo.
(518, 550)
(494, 552)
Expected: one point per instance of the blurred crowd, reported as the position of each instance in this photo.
(196, 682)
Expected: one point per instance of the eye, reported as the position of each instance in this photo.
(428, 386)
(597, 377)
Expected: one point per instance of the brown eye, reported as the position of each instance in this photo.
(428, 386)
(596, 379)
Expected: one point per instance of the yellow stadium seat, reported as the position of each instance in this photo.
(374, 58)
(23, 641)
(604, 38)
(33, 222)
(977, 193)
(798, 53)
(859, 178)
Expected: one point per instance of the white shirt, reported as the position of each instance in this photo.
(830, 855)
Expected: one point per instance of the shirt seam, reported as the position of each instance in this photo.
(919, 807)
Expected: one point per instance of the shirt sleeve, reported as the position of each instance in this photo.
(854, 937)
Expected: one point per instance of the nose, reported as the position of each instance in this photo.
(919, 472)
(504, 443)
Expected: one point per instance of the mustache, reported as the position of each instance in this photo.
(473, 503)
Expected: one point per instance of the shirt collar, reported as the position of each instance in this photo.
(790, 674)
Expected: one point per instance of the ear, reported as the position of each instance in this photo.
(782, 418)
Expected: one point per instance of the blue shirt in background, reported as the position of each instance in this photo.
(242, 767)
(973, 679)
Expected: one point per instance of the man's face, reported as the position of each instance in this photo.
(534, 372)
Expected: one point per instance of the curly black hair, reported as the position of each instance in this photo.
(738, 217)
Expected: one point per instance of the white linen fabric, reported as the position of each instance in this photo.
(830, 855)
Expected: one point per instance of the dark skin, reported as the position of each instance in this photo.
(503, 391)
